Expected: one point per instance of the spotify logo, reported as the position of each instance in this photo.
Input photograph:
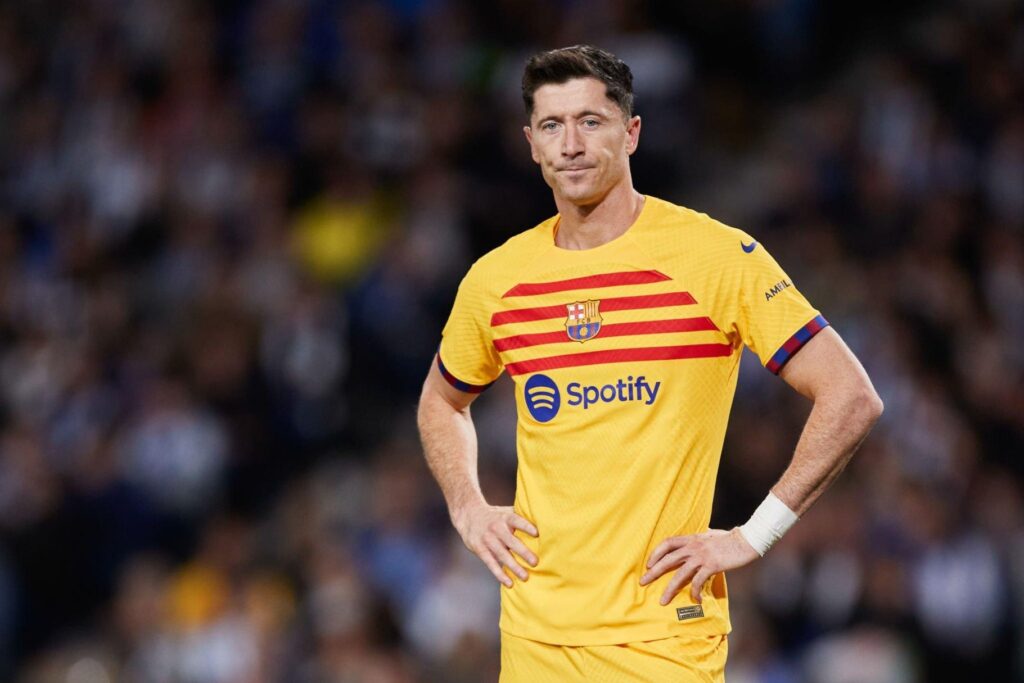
(542, 398)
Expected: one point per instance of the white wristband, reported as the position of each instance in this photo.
(770, 521)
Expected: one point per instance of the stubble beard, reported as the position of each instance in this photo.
(588, 193)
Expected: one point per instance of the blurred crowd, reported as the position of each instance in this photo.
(230, 234)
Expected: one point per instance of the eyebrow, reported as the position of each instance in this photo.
(578, 115)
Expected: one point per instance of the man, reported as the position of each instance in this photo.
(621, 321)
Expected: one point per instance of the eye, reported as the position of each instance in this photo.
(548, 126)
(591, 123)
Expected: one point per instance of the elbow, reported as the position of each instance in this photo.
(866, 405)
(877, 406)
(855, 403)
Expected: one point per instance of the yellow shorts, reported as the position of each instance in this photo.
(669, 660)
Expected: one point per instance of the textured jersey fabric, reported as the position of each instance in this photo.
(625, 359)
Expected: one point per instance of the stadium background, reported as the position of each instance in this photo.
(229, 237)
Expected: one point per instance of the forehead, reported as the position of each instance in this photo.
(555, 100)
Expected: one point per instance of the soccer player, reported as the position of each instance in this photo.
(621, 321)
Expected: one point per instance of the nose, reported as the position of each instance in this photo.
(572, 142)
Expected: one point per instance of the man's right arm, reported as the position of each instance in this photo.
(450, 445)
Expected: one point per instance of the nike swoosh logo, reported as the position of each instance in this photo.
(747, 248)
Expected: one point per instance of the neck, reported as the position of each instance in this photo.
(588, 226)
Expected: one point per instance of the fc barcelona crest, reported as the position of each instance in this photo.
(584, 321)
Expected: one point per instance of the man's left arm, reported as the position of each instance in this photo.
(845, 408)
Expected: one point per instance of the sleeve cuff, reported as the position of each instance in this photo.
(792, 345)
(458, 383)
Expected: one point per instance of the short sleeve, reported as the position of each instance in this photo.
(771, 316)
(467, 357)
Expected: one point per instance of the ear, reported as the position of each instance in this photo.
(528, 132)
(632, 134)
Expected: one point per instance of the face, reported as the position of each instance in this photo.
(581, 139)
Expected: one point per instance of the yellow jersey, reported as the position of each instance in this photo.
(625, 359)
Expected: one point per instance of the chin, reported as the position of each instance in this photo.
(580, 195)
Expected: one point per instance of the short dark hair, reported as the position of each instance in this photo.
(579, 61)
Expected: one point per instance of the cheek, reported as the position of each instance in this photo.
(610, 155)
(543, 153)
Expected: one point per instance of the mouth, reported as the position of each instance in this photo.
(574, 169)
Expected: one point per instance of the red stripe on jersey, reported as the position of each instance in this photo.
(631, 277)
(520, 341)
(619, 356)
(622, 303)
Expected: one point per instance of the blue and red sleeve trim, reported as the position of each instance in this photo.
(794, 344)
(458, 383)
